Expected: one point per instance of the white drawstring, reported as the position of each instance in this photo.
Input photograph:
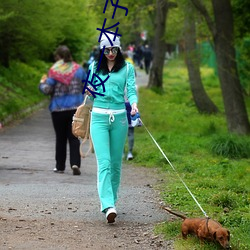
(111, 117)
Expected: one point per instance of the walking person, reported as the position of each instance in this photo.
(109, 125)
(147, 58)
(65, 85)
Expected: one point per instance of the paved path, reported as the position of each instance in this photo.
(31, 191)
(141, 78)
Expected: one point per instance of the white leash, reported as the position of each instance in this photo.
(174, 169)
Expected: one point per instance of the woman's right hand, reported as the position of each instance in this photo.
(134, 109)
(43, 79)
(88, 92)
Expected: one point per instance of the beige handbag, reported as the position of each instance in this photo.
(81, 126)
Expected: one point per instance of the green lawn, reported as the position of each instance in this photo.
(214, 164)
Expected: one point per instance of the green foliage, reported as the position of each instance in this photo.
(242, 37)
(141, 17)
(241, 17)
(243, 59)
(30, 34)
(176, 18)
(19, 87)
(175, 25)
(219, 183)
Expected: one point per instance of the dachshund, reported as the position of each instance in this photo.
(204, 229)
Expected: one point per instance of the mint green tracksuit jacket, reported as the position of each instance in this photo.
(109, 131)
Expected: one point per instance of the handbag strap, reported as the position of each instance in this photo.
(85, 99)
(86, 139)
(91, 148)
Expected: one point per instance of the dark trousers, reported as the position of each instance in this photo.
(62, 122)
(147, 65)
(130, 139)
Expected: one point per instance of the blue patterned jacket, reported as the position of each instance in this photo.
(64, 97)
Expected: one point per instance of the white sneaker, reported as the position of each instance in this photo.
(58, 171)
(111, 214)
(76, 170)
(130, 156)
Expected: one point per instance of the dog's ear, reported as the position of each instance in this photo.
(214, 235)
(228, 237)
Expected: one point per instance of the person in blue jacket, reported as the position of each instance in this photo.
(109, 124)
(64, 84)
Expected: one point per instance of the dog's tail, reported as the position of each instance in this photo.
(175, 213)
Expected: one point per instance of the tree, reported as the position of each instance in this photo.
(201, 99)
(159, 47)
(140, 15)
(223, 38)
(28, 33)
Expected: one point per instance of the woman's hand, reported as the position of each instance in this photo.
(88, 92)
(43, 79)
(134, 109)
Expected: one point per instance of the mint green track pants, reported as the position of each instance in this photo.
(108, 138)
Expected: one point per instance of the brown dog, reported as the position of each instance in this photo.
(204, 229)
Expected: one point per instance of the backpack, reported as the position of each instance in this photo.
(81, 126)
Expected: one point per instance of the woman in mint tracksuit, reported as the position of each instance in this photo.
(109, 123)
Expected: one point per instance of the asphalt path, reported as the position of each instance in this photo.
(31, 190)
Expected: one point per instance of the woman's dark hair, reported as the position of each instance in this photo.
(63, 52)
(119, 63)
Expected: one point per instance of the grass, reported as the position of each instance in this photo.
(19, 88)
(214, 164)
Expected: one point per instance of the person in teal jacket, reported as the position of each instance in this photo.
(109, 124)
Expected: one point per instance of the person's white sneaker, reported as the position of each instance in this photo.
(58, 171)
(111, 214)
(130, 156)
(76, 170)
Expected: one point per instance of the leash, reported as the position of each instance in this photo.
(174, 170)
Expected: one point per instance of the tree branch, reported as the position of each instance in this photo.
(202, 9)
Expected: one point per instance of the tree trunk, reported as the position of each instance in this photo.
(201, 99)
(159, 47)
(235, 109)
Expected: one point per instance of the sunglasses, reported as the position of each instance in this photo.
(114, 50)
